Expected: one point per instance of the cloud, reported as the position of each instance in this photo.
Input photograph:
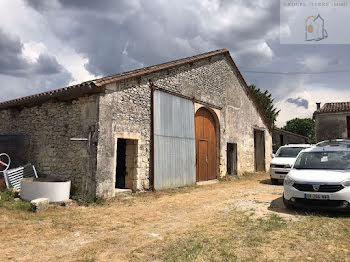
(69, 42)
(14, 63)
(31, 72)
(311, 93)
(314, 63)
(47, 65)
(159, 31)
(299, 102)
(11, 61)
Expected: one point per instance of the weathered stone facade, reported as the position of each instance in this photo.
(331, 126)
(281, 137)
(48, 128)
(124, 111)
(332, 121)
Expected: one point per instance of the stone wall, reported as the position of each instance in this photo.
(288, 138)
(125, 111)
(47, 129)
(331, 126)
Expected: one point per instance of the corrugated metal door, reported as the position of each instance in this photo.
(174, 141)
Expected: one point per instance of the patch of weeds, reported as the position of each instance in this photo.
(75, 193)
(20, 205)
(272, 223)
(9, 200)
(92, 200)
(88, 200)
(8, 195)
(184, 251)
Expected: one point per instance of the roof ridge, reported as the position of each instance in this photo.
(46, 93)
(98, 82)
(107, 79)
(94, 86)
(334, 107)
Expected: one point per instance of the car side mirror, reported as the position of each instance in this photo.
(272, 155)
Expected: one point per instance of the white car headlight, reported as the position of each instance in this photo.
(288, 181)
(346, 183)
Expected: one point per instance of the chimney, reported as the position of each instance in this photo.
(318, 106)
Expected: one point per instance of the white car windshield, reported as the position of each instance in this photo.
(339, 160)
(288, 151)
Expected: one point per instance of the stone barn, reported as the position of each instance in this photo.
(282, 137)
(163, 126)
(332, 121)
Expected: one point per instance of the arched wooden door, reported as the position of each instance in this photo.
(205, 145)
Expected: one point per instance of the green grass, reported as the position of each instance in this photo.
(272, 223)
(9, 200)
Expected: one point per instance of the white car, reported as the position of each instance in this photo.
(319, 179)
(283, 160)
(334, 142)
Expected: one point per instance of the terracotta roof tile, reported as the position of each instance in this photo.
(85, 87)
(334, 108)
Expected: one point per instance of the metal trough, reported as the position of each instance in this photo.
(53, 189)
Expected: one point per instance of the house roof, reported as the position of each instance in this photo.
(97, 85)
(290, 133)
(334, 108)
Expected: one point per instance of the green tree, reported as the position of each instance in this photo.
(266, 103)
(302, 126)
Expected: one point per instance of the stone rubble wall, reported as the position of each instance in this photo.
(125, 110)
(287, 139)
(48, 128)
(331, 126)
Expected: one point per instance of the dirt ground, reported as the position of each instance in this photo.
(142, 226)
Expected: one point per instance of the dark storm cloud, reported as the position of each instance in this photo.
(299, 102)
(22, 77)
(47, 65)
(117, 36)
(13, 63)
(41, 5)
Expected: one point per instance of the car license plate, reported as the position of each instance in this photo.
(282, 176)
(317, 196)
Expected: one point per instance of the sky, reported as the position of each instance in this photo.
(46, 45)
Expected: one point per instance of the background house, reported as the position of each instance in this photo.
(282, 137)
(332, 121)
(163, 126)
